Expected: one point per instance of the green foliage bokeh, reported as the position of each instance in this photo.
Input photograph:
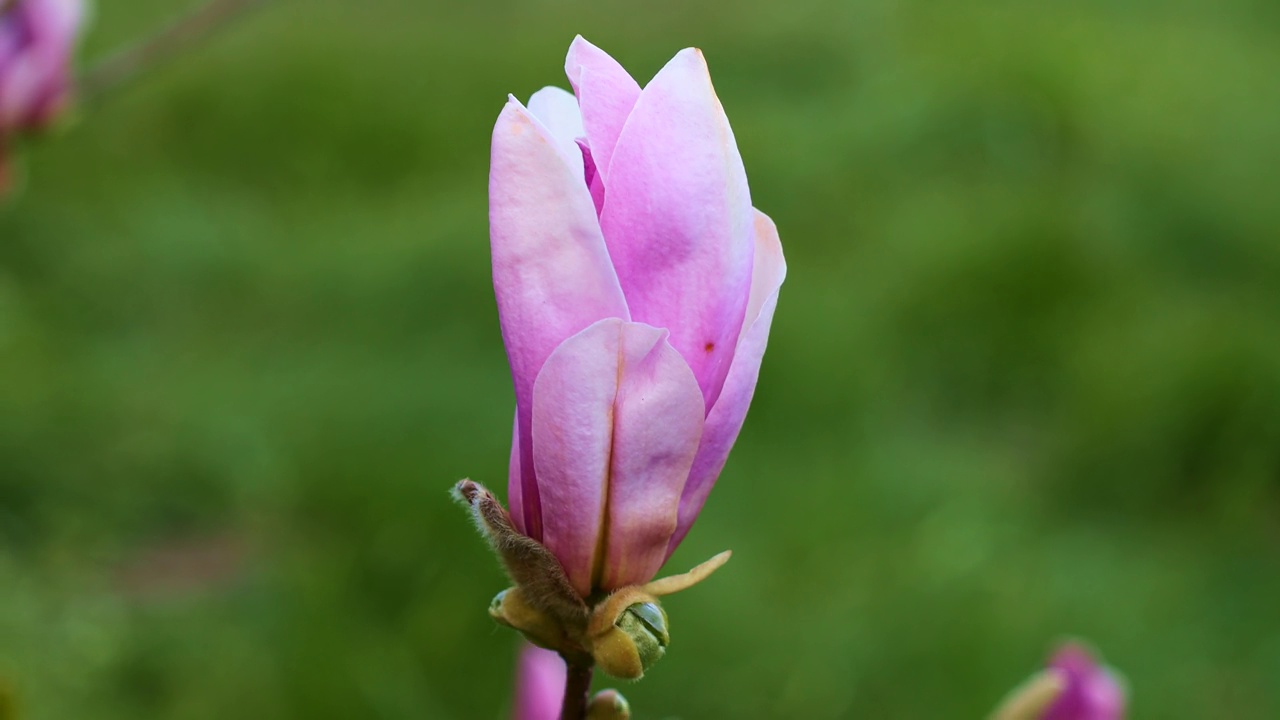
(1023, 383)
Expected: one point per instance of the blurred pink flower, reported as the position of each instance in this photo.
(636, 286)
(37, 38)
(540, 678)
(1092, 691)
(36, 42)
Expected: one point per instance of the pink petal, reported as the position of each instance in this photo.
(572, 438)
(616, 421)
(551, 271)
(540, 676)
(677, 219)
(606, 93)
(1108, 696)
(57, 22)
(10, 43)
(515, 479)
(725, 419)
(34, 81)
(591, 174)
(657, 426)
(557, 110)
(1092, 692)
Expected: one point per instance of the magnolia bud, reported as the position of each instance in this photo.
(608, 705)
(636, 641)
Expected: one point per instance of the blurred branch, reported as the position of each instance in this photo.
(128, 64)
(577, 684)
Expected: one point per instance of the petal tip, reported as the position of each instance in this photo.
(693, 53)
(511, 109)
(515, 117)
(573, 58)
(690, 66)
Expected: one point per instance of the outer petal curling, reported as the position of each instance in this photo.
(724, 422)
(591, 174)
(657, 426)
(606, 93)
(677, 218)
(543, 230)
(616, 421)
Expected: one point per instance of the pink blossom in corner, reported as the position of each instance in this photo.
(540, 677)
(37, 38)
(636, 285)
(1091, 692)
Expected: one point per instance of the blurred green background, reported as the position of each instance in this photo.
(1024, 380)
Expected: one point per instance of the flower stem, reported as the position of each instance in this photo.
(126, 64)
(577, 686)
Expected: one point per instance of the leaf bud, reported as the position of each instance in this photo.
(638, 638)
(608, 705)
(510, 608)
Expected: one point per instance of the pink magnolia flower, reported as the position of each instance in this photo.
(1092, 691)
(540, 676)
(37, 38)
(636, 286)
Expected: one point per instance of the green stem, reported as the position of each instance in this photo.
(577, 687)
(127, 64)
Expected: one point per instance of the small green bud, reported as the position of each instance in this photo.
(608, 705)
(636, 641)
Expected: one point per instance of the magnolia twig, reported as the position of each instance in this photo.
(577, 685)
(127, 64)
